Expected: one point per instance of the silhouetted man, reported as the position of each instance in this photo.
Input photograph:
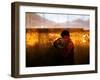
(66, 48)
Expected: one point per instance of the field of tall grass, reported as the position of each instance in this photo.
(41, 52)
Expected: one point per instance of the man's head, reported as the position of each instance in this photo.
(65, 34)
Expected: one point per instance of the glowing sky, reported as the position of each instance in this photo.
(48, 20)
(61, 18)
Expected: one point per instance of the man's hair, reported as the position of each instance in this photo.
(65, 33)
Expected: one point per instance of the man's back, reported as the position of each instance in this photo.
(66, 50)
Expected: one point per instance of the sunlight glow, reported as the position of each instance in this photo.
(31, 39)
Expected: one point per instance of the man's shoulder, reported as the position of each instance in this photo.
(59, 43)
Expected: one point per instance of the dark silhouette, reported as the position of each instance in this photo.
(65, 48)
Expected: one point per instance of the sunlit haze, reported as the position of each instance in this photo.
(48, 20)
